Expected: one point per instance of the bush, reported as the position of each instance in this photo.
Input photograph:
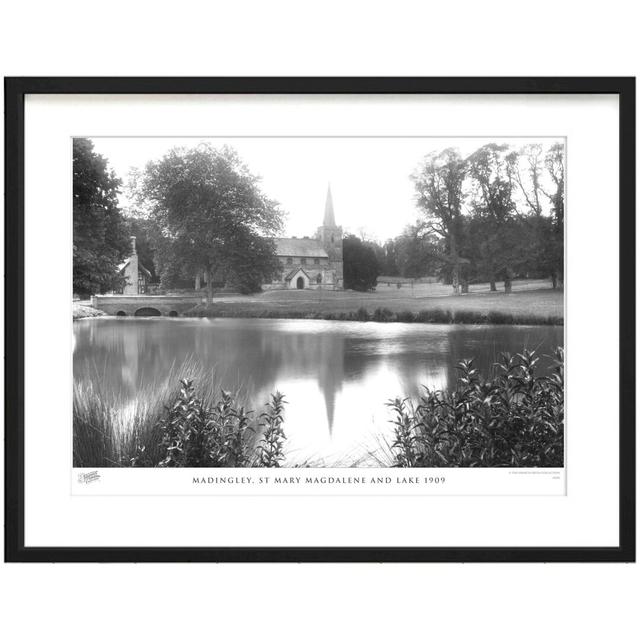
(436, 316)
(405, 316)
(270, 450)
(362, 315)
(195, 435)
(513, 419)
(383, 315)
(462, 316)
(500, 317)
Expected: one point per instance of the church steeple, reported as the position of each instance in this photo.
(330, 235)
(329, 218)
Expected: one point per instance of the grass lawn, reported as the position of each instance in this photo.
(524, 306)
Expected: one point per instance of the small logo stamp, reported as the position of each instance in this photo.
(88, 477)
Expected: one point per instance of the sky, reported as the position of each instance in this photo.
(370, 178)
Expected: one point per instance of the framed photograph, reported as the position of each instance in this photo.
(320, 319)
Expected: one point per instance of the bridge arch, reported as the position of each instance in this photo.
(147, 312)
(121, 313)
(173, 314)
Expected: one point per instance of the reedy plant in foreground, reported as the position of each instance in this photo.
(111, 430)
(512, 419)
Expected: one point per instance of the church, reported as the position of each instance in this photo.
(312, 263)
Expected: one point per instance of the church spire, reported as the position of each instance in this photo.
(329, 218)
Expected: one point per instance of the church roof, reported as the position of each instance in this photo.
(295, 272)
(300, 247)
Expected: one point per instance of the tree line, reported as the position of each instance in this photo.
(196, 212)
(494, 215)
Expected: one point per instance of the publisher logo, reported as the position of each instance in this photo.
(88, 477)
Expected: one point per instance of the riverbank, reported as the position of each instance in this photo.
(526, 307)
(81, 311)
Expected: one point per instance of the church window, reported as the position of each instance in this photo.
(289, 260)
(319, 278)
(332, 239)
(303, 261)
(316, 261)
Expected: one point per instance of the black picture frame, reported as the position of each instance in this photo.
(15, 91)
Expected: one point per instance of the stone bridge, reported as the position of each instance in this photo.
(142, 305)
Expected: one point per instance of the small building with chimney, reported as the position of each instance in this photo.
(312, 262)
(137, 277)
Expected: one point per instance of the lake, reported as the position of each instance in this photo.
(336, 376)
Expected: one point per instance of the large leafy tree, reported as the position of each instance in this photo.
(438, 183)
(497, 227)
(100, 237)
(543, 236)
(212, 218)
(389, 262)
(420, 252)
(361, 266)
(527, 179)
(485, 217)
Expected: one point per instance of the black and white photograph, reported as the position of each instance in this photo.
(318, 302)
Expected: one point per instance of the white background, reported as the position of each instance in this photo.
(403, 38)
(586, 516)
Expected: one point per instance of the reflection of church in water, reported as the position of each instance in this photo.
(321, 357)
(250, 362)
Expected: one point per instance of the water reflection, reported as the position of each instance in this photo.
(336, 375)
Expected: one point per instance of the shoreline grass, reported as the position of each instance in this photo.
(526, 307)
(381, 314)
(82, 311)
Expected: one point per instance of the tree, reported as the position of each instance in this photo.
(213, 218)
(494, 209)
(361, 267)
(554, 162)
(100, 238)
(419, 252)
(438, 184)
(389, 265)
(544, 245)
(529, 186)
